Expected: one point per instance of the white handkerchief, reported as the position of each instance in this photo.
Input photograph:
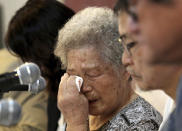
(78, 81)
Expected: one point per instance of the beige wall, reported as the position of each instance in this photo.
(8, 10)
(7, 61)
(158, 99)
(62, 1)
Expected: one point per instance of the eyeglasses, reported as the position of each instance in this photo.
(123, 40)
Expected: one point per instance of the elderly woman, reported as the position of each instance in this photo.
(88, 47)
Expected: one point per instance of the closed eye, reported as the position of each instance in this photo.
(93, 75)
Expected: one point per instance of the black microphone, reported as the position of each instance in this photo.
(25, 74)
(10, 112)
(34, 88)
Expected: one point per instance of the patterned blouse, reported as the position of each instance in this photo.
(139, 115)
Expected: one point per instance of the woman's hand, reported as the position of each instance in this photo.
(72, 104)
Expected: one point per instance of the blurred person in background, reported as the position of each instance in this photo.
(156, 26)
(148, 77)
(32, 36)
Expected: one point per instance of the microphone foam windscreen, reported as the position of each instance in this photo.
(28, 73)
(38, 86)
(10, 112)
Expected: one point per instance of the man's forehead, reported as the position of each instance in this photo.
(122, 20)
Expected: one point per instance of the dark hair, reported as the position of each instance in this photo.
(122, 5)
(32, 35)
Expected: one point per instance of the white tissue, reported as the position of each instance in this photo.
(78, 81)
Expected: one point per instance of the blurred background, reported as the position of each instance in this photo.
(9, 7)
(7, 10)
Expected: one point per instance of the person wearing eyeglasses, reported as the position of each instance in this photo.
(156, 25)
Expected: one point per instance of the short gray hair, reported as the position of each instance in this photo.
(95, 27)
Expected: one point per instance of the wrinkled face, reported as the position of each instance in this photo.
(157, 25)
(102, 86)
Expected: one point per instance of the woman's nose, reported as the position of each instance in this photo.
(86, 87)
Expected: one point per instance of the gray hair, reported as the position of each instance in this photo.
(95, 27)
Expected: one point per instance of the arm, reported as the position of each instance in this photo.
(146, 125)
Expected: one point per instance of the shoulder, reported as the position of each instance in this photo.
(138, 115)
(141, 110)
